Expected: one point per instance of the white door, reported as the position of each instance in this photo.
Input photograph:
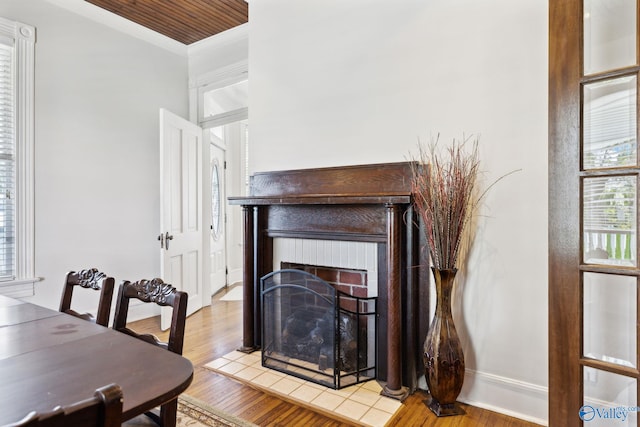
(218, 263)
(181, 208)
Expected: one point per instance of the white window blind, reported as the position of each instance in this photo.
(7, 163)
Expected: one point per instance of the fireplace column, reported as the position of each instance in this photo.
(394, 388)
(249, 214)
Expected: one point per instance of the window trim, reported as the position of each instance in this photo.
(24, 38)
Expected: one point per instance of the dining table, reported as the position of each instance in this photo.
(49, 358)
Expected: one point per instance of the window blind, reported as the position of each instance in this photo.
(7, 163)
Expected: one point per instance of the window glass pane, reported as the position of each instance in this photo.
(609, 318)
(7, 163)
(609, 129)
(216, 210)
(609, 399)
(225, 99)
(609, 34)
(609, 220)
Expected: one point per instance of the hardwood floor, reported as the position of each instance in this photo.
(217, 330)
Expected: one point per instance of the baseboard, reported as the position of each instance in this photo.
(507, 396)
(234, 276)
(140, 310)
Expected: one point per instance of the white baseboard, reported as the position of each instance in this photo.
(507, 396)
(234, 276)
(140, 310)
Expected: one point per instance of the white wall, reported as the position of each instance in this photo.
(335, 83)
(98, 93)
(332, 83)
(219, 52)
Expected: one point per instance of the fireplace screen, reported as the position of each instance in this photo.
(315, 332)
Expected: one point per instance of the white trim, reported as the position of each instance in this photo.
(221, 77)
(217, 79)
(19, 288)
(25, 212)
(225, 118)
(24, 37)
(104, 17)
(21, 281)
(139, 310)
(507, 396)
(234, 276)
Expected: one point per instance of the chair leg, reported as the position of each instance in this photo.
(169, 413)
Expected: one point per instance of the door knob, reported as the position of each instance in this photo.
(167, 237)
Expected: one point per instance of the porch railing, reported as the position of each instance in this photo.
(610, 244)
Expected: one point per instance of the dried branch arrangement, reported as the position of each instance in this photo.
(445, 195)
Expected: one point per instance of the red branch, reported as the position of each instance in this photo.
(443, 186)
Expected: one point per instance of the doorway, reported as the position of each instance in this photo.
(222, 111)
(228, 160)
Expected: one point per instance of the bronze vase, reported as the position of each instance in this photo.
(443, 355)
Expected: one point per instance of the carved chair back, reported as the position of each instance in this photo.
(160, 293)
(89, 279)
(163, 294)
(104, 409)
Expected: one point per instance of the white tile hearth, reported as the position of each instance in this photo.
(360, 403)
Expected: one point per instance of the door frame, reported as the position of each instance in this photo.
(565, 287)
(222, 170)
(224, 76)
(565, 314)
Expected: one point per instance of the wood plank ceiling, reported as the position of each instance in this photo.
(186, 21)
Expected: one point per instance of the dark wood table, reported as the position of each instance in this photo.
(48, 358)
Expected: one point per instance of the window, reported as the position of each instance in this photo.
(16, 158)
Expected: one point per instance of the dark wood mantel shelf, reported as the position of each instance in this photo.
(323, 199)
(370, 203)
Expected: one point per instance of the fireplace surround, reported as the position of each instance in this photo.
(362, 203)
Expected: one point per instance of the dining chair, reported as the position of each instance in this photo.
(89, 279)
(163, 294)
(104, 409)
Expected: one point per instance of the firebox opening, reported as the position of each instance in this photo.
(312, 330)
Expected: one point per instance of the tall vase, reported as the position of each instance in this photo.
(443, 355)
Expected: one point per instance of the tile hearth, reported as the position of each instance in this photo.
(361, 403)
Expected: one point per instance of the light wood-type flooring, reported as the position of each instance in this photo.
(217, 330)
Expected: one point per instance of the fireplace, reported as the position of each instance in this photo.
(368, 204)
(312, 330)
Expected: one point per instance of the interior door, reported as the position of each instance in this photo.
(218, 263)
(593, 216)
(181, 210)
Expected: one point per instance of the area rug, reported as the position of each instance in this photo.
(234, 294)
(195, 413)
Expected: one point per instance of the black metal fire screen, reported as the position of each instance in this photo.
(313, 331)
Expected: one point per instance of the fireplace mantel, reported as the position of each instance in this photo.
(370, 203)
